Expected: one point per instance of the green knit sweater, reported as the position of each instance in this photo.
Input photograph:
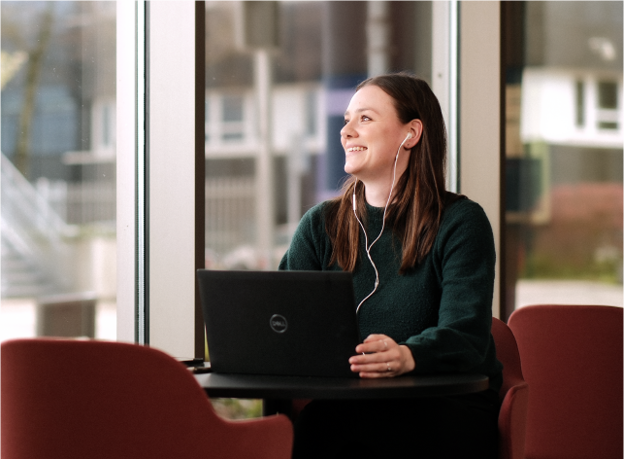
(441, 309)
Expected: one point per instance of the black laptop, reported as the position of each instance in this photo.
(299, 323)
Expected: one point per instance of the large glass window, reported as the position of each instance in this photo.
(279, 76)
(564, 137)
(276, 92)
(58, 169)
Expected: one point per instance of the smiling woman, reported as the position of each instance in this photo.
(418, 178)
(424, 283)
(373, 137)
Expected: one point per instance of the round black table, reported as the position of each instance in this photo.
(279, 391)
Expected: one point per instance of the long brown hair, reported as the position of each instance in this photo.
(415, 213)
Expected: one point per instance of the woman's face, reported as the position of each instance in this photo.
(372, 134)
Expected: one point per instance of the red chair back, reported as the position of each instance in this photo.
(572, 360)
(88, 399)
(514, 394)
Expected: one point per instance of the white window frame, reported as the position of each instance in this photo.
(466, 77)
(157, 147)
(480, 117)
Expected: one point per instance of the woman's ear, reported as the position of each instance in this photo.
(415, 129)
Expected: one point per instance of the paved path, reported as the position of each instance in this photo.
(567, 292)
(18, 319)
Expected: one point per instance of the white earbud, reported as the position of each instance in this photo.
(409, 136)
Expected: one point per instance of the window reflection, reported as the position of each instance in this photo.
(608, 105)
(276, 94)
(58, 169)
(564, 153)
(580, 104)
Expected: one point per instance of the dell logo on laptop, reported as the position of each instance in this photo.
(278, 323)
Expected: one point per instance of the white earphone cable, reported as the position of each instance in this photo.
(383, 224)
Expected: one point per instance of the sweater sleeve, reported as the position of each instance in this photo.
(464, 260)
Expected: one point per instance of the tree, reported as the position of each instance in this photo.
(34, 66)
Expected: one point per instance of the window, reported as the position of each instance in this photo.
(107, 135)
(227, 121)
(564, 163)
(580, 103)
(208, 120)
(297, 77)
(273, 106)
(270, 137)
(232, 117)
(58, 169)
(607, 105)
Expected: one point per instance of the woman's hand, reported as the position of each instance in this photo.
(379, 356)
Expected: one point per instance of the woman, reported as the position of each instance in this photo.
(423, 271)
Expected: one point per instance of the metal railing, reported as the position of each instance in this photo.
(230, 213)
(32, 230)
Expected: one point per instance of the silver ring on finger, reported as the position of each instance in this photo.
(388, 366)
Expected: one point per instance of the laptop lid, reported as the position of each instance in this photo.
(279, 322)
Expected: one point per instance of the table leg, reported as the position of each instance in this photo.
(272, 406)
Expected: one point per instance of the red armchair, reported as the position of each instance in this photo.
(572, 360)
(88, 399)
(514, 394)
